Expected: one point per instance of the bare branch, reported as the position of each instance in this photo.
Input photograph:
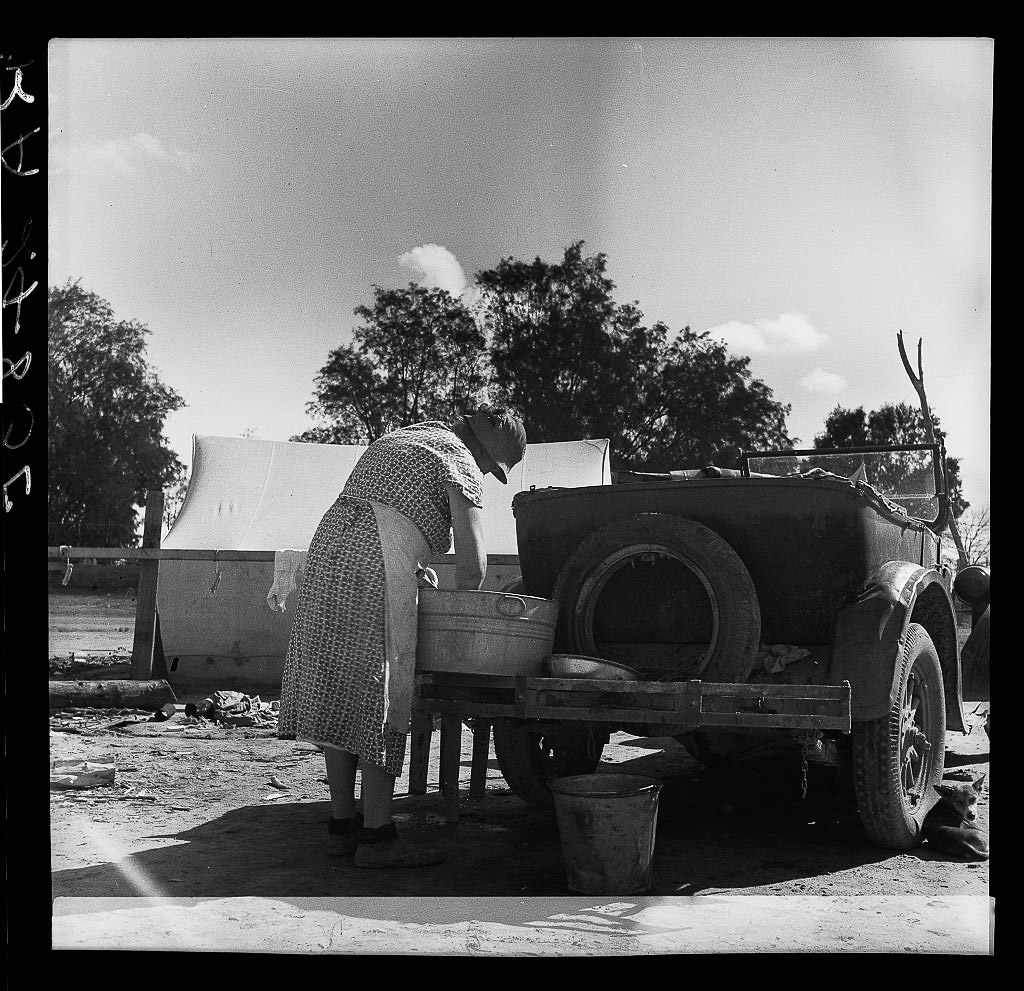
(918, 383)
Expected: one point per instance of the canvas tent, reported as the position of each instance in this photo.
(255, 495)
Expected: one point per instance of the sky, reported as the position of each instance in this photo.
(802, 199)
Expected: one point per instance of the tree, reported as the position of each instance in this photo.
(696, 404)
(580, 365)
(174, 499)
(106, 412)
(419, 355)
(552, 343)
(893, 423)
(976, 535)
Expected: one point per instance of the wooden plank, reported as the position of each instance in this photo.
(773, 705)
(453, 679)
(780, 721)
(513, 710)
(459, 679)
(158, 554)
(683, 703)
(419, 752)
(598, 700)
(147, 553)
(773, 691)
(481, 753)
(498, 560)
(145, 603)
(468, 693)
(451, 755)
(705, 688)
(670, 688)
(596, 715)
(688, 719)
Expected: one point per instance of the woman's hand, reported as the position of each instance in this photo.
(470, 554)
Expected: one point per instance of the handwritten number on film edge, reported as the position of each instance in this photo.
(18, 370)
(28, 431)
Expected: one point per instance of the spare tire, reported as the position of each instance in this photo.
(732, 622)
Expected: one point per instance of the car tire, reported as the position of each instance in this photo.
(898, 757)
(530, 757)
(726, 581)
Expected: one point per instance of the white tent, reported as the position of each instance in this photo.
(255, 495)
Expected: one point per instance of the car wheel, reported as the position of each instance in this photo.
(710, 600)
(530, 757)
(899, 756)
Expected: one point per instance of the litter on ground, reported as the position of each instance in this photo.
(80, 774)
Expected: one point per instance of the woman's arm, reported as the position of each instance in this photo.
(470, 555)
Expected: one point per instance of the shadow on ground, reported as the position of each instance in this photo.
(962, 760)
(727, 829)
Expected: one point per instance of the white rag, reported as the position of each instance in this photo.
(288, 567)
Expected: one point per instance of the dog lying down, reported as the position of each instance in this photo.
(950, 826)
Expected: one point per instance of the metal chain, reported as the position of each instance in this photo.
(803, 776)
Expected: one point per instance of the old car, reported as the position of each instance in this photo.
(810, 567)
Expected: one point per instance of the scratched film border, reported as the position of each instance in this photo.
(23, 430)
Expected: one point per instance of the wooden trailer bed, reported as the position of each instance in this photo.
(679, 706)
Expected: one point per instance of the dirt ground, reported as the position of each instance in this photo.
(193, 813)
(216, 826)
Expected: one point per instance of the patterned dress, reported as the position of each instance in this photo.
(332, 689)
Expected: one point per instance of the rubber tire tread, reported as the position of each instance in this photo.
(876, 756)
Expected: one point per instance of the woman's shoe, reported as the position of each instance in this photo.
(343, 835)
(383, 847)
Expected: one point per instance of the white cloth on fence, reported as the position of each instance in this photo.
(288, 567)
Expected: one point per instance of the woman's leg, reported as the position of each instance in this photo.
(378, 789)
(341, 779)
(379, 844)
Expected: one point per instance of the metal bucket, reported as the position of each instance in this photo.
(484, 632)
(607, 824)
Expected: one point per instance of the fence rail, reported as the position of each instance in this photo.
(147, 649)
(175, 554)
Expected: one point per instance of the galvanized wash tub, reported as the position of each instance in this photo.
(480, 632)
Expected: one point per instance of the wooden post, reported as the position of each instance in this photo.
(159, 660)
(451, 754)
(145, 603)
(419, 752)
(110, 694)
(481, 751)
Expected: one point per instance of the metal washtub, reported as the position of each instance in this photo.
(480, 632)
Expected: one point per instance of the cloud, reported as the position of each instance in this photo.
(821, 381)
(435, 266)
(786, 332)
(120, 156)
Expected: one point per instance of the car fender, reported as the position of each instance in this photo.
(870, 636)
